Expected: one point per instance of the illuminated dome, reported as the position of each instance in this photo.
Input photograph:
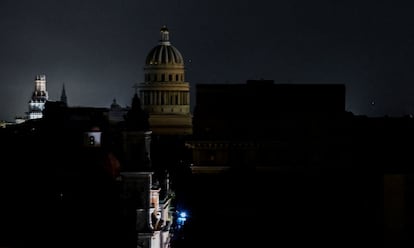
(164, 94)
(164, 53)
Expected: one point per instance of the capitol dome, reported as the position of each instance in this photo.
(164, 53)
(164, 94)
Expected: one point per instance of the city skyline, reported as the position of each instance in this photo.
(97, 49)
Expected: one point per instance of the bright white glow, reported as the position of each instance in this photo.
(183, 214)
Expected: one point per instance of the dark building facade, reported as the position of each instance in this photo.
(86, 180)
(289, 166)
(265, 124)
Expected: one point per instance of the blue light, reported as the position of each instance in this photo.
(182, 218)
(183, 214)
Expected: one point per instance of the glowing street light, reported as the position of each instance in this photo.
(182, 217)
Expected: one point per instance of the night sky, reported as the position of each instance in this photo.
(97, 48)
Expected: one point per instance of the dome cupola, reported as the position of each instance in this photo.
(164, 53)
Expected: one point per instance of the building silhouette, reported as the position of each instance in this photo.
(116, 113)
(63, 97)
(262, 124)
(276, 164)
(97, 189)
(286, 165)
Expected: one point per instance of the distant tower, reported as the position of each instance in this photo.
(39, 98)
(164, 93)
(63, 97)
